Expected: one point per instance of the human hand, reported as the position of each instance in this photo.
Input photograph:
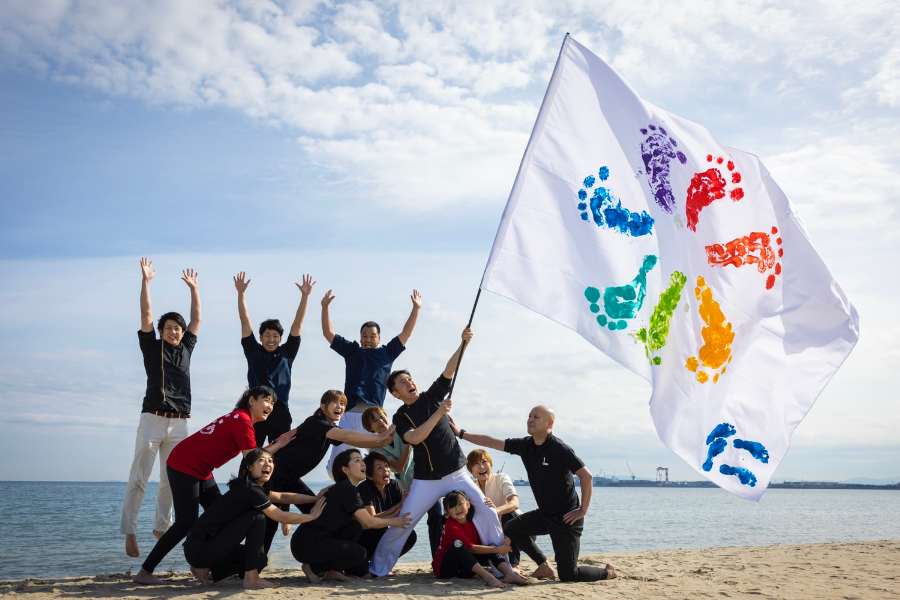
(453, 427)
(323, 490)
(467, 335)
(286, 437)
(505, 547)
(489, 502)
(388, 436)
(317, 509)
(285, 529)
(445, 406)
(307, 286)
(240, 282)
(327, 299)
(573, 515)
(147, 270)
(189, 276)
(401, 521)
(416, 299)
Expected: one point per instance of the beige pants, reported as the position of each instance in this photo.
(155, 434)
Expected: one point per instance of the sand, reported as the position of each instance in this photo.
(864, 570)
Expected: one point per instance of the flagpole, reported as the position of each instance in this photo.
(463, 347)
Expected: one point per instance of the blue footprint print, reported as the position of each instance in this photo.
(621, 302)
(658, 151)
(606, 210)
(717, 443)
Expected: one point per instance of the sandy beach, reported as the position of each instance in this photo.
(864, 570)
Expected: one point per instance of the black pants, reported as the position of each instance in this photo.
(435, 527)
(324, 551)
(223, 554)
(188, 495)
(294, 487)
(566, 541)
(279, 422)
(459, 562)
(369, 540)
(514, 555)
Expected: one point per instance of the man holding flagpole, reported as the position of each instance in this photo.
(550, 465)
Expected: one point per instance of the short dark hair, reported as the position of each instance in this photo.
(370, 324)
(454, 498)
(260, 391)
(370, 459)
(341, 461)
(243, 476)
(393, 376)
(368, 416)
(171, 316)
(273, 324)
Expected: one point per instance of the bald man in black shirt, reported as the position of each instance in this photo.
(550, 465)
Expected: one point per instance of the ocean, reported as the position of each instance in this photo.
(60, 529)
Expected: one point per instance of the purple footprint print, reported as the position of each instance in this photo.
(658, 150)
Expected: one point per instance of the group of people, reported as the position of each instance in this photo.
(362, 524)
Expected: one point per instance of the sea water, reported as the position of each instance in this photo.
(58, 529)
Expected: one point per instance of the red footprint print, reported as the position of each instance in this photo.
(709, 186)
(753, 249)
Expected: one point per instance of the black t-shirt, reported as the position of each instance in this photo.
(550, 467)
(168, 370)
(235, 502)
(368, 491)
(304, 452)
(341, 502)
(438, 454)
(271, 368)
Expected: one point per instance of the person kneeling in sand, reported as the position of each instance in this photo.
(461, 553)
(550, 464)
(213, 547)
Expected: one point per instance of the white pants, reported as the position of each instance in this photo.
(351, 421)
(154, 434)
(423, 494)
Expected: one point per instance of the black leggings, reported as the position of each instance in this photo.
(278, 422)
(324, 551)
(514, 555)
(295, 487)
(435, 526)
(458, 561)
(223, 554)
(188, 495)
(566, 540)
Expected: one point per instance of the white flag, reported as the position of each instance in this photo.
(682, 260)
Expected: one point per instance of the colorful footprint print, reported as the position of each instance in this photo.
(717, 443)
(621, 302)
(715, 353)
(709, 186)
(606, 210)
(658, 150)
(654, 337)
(754, 249)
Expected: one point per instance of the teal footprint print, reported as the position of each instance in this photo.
(621, 302)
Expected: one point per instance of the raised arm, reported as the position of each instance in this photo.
(482, 440)
(398, 463)
(467, 335)
(189, 276)
(305, 290)
(587, 486)
(240, 284)
(418, 435)
(327, 329)
(147, 273)
(359, 439)
(404, 335)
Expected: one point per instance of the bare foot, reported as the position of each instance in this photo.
(285, 529)
(258, 583)
(131, 545)
(610, 571)
(313, 578)
(370, 576)
(158, 534)
(202, 576)
(338, 576)
(514, 577)
(493, 581)
(145, 578)
(544, 571)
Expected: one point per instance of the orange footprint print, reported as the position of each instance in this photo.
(715, 353)
(753, 249)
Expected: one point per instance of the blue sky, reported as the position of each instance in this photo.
(373, 144)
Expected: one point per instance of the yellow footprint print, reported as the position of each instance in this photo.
(717, 336)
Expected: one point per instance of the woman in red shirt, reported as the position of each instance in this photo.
(461, 553)
(191, 463)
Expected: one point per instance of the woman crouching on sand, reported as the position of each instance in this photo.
(190, 468)
(213, 547)
(498, 490)
(328, 546)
